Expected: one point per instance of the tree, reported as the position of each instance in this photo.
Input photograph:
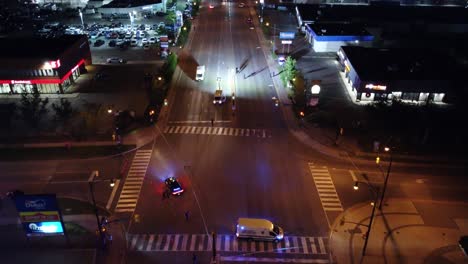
(63, 111)
(32, 107)
(171, 17)
(289, 70)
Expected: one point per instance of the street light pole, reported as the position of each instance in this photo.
(369, 227)
(91, 189)
(81, 17)
(376, 196)
(91, 182)
(387, 149)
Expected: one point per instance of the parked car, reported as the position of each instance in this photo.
(112, 43)
(146, 47)
(144, 41)
(115, 60)
(99, 43)
(152, 40)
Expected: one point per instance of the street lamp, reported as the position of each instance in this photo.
(91, 182)
(81, 16)
(376, 196)
(131, 20)
(387, 149)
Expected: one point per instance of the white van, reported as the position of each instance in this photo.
(260, 229)
(200, 73)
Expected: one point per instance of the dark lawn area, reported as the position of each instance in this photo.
(61, 153)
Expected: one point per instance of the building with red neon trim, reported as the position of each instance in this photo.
(51, 65)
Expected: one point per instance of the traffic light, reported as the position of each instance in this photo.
(377, 160)
(302, 114)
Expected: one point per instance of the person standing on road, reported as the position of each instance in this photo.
(186, 215)
(212, 121)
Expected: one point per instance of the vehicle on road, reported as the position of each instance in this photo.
(200, 75)
(174, 186)
(115, 60)
(219, 98)
(259, 229)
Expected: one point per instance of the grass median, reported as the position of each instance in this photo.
(51, 153)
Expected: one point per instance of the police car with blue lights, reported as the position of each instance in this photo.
(174, 186)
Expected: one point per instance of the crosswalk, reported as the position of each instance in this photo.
(325, 187)
(226, 243)
(218, 131)
(136, 174)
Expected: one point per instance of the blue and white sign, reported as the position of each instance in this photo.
(287, 35)
(36, 203)
(39, 214)
(43, 228)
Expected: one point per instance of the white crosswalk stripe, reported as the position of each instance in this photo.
(226, 243)
(136, 174)
(220, 131)
(325, 188)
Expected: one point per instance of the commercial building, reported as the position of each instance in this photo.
(51, 65)
(131, 9)
(330, 37)
(412, 75)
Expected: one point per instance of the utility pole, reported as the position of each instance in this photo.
(274, 37)
(91, 189)
(386, 178)
(213, 237)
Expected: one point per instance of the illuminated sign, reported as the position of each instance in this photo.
(51, 64)
(43, 228)
(287, 35)
(43, 81)
(315, 89)
(39, 214)
(20, 82)
(286, 42)
(376, 87)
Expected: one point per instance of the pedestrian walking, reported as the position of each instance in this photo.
(186, 215)
(212, 121)
(194, 258)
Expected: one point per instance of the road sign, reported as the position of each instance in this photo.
(287, 35)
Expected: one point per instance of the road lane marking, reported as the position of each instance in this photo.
(220, 131)
(135, 177)
(325, 188)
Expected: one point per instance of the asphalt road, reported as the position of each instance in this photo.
(246, 164)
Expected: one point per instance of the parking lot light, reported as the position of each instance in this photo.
(81, 17)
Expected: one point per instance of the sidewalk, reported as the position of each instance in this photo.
(403, 232)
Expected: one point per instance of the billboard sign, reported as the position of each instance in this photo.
(39, 214)
(287, 35)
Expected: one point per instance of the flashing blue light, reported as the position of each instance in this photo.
(242, 228)
(177, 189)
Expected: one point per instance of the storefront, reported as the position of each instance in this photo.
(330, 37)
(26, 71)
(406, 75)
